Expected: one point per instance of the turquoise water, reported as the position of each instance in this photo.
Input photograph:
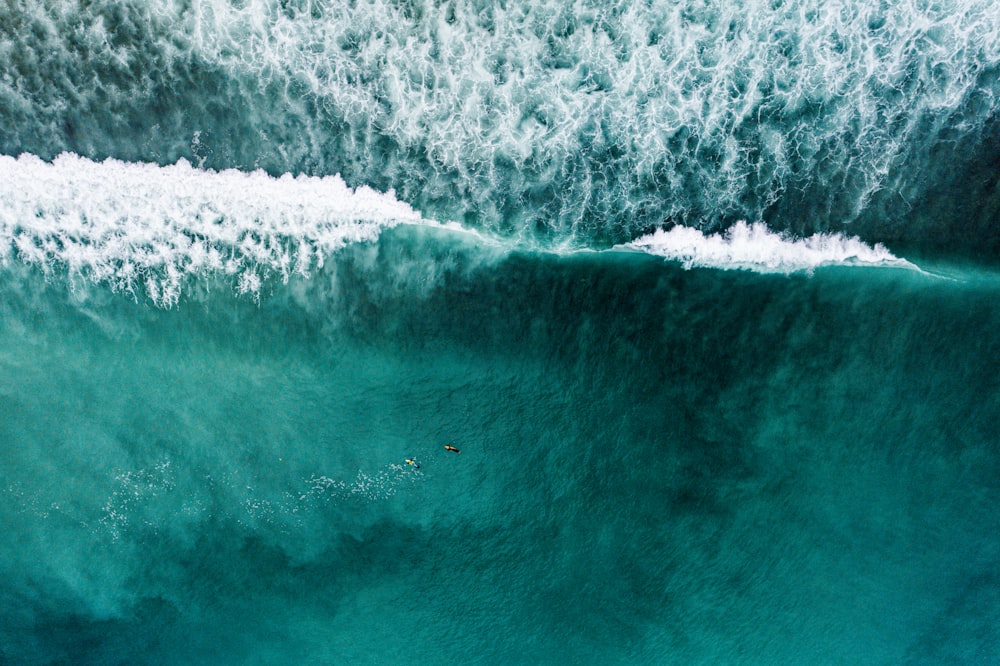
(679, 444)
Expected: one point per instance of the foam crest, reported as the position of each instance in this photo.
(137, 225)
(755, 247)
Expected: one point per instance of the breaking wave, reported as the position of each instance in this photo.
(144, 225)
(755, 247)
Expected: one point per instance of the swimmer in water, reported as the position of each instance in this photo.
(413, 463)
(449, 447)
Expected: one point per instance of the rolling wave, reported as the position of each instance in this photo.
(144, 225)
(755, 247)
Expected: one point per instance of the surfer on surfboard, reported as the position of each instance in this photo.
(449, 447)
(413, 463)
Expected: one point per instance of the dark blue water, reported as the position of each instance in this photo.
(776, 445)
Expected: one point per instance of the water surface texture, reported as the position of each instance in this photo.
(704, 293)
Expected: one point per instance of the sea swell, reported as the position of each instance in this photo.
(600, 122)
(143, 228)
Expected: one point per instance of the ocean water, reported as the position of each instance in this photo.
(705, 293)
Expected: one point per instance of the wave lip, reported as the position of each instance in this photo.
(135, 224)
(757, 248)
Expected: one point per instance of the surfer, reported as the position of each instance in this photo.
(413, 463)
(449, 447)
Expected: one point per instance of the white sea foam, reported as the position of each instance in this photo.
(755, 247)
(614, 114)
(703, 108)
(134, 225)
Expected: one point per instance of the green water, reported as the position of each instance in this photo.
(657, 465)
(215, 357)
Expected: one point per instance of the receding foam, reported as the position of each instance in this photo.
(132, 224)
(600, 118)
(755, 247)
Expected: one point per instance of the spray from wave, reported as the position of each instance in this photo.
(143, 225)
(755, 247)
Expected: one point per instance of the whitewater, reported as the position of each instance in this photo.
(603, 119)
(704, 293)
(141, 226)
